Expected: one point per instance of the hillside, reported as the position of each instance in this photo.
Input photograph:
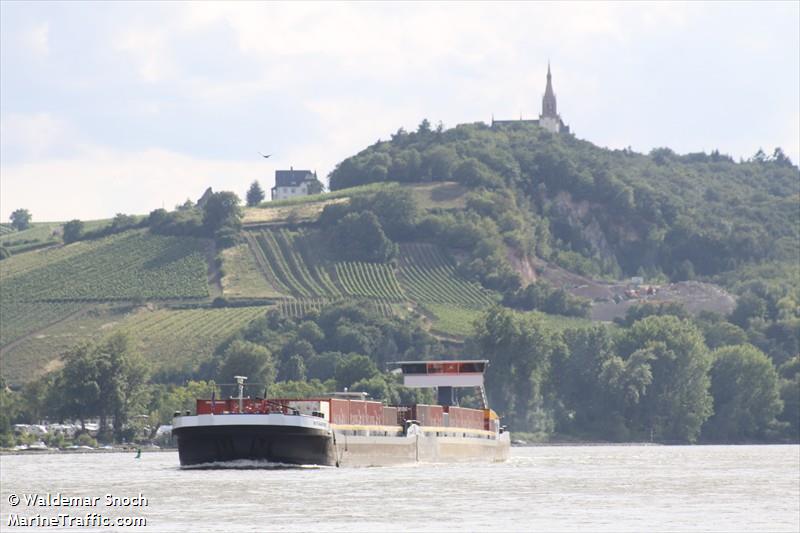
(562, 211)
(160, 288)
(470, 216)
(609, 212)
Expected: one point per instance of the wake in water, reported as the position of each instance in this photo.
(250, 464)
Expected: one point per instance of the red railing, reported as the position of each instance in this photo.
(249, 406)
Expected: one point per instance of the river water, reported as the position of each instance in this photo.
(553, 488)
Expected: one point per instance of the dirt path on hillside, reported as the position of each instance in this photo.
(212, 273)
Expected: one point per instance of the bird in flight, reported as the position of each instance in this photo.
(267, 156)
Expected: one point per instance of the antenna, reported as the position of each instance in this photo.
(240, 382)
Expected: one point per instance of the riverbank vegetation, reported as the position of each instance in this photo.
(656, 379)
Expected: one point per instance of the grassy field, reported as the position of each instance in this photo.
(282, 214)
(242, 278)
(170, 339)
(130, 265)
(452, 320)
(39, 231)
(458, 321)
(343, 193)
(440, 195)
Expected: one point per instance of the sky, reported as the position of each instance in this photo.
(120, 107)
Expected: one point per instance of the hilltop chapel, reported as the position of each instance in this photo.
(549, 119)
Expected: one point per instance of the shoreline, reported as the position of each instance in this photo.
(55, 451)
(561, 444)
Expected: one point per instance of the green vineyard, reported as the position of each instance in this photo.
(302, 307)
(369, 280)
(285, 262)
(425, 274)
(23, 318)
(168, 338)
(287, 270)
(428, 276)
(131, 265)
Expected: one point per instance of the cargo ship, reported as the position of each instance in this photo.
(345, 429)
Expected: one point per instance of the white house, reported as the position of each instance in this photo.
(290, 183)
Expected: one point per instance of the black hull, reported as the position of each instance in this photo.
(274, 444)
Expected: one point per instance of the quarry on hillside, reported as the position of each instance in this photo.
(611, 300)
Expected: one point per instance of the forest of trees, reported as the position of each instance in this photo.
(611, 212)
(663, 377)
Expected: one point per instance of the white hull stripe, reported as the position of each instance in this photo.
(304, 421)
(274, 419)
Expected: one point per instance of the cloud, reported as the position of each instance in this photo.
(37, 39)
(34, 136)
(148, 49)
(102, 182)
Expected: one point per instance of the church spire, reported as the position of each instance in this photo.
(549, 99)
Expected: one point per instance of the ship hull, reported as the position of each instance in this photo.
(213, 441)
(270, 444)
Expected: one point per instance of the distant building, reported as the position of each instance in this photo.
(549, 119)
(290, 183)
(201, 202)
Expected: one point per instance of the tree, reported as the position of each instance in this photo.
(576, 378)
(77, 386)
(746, 391)
(20, 219)
(790, 395)
(396, 210)
(722, 333)
(293, 369)
(255, 194)
(323, 366)
(315, 186)
(677, 401)
(424, 126)
(73, 231)
(243, 358)
(122, 374)
(222, 210)
(312, 333)
(376, 387)
(780, 158)
(360, 237)
(353, 368)
(122, 222)
(103, 380)
(519, 349)
(157, 217)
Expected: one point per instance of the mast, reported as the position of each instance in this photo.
(240, 382)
